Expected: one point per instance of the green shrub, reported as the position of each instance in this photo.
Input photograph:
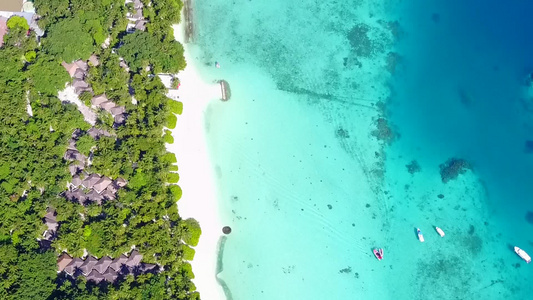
(176, 191)
(186, 269)
(175, 107)
(84, 144)
(191, 232)
(171, 121)
(86, 97)
(16, 21)
(138, 180)
(30, 56)
(173, 168)
(168, 138)
(187, 252)
(173, 177)
(169, 157)
(87, 231)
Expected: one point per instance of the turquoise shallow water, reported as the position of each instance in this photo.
(307, 187)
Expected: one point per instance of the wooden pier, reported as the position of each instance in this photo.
(188, 21)
(225, 90)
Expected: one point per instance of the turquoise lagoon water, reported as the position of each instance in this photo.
(308, 188)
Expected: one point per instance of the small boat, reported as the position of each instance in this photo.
(522, 254)
(420, 236)
(441, 233)
(378, 253)
(217, 65)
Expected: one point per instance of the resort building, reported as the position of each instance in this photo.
(3, 29)
(105, 268)
(11, 5)
(21, 8)
(135, 16)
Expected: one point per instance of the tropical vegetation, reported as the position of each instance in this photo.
(35, 132)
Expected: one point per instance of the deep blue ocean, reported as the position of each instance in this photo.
(461, 92)
(461, 89)
(307, 187)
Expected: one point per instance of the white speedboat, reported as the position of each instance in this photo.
(420, 236)
(522, 254)
(441, 233)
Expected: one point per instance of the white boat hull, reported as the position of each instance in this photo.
(522, 254)
(420, 236)
(441, 233)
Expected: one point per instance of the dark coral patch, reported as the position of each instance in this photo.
(361, 44)
(384, 131)
(342, 133)
(452, 168)
(413, 167)
(529, 217)
(346, 270)
(435, 17)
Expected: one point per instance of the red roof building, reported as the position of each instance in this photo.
(3, 29)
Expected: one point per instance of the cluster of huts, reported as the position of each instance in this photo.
(105, 268)
(135, 17)
(51, 224)
(93, 188)
(78, 72)
(118, 112)
(87, 188)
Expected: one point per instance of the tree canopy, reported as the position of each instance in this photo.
(47, 75)
(16, 21)
(68, 40)
(38, 128)
(142, 49)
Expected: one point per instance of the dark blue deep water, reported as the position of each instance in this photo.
(460, 91)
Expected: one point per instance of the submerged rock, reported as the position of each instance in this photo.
(435, 17)
(413, 167)
(383, 131)
(452, 168)
(529, 217)
(393, 59)
(342, 133)
(529, 146)
(361, 44)
(346, 270)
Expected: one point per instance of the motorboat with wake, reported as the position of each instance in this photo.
(420, 236)
(378, 252)
(522, 254)
(441, 233)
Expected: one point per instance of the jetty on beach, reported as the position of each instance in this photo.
(188, 22)
(225, 91)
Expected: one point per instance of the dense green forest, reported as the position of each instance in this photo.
(33, 172)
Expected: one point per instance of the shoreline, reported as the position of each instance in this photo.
(199, 199)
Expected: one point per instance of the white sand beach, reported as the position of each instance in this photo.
(196, 177)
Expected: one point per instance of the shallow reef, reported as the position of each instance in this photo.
(413, 167)
(452, 168)
(383, 131)
(361, 44)
(342, 133)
